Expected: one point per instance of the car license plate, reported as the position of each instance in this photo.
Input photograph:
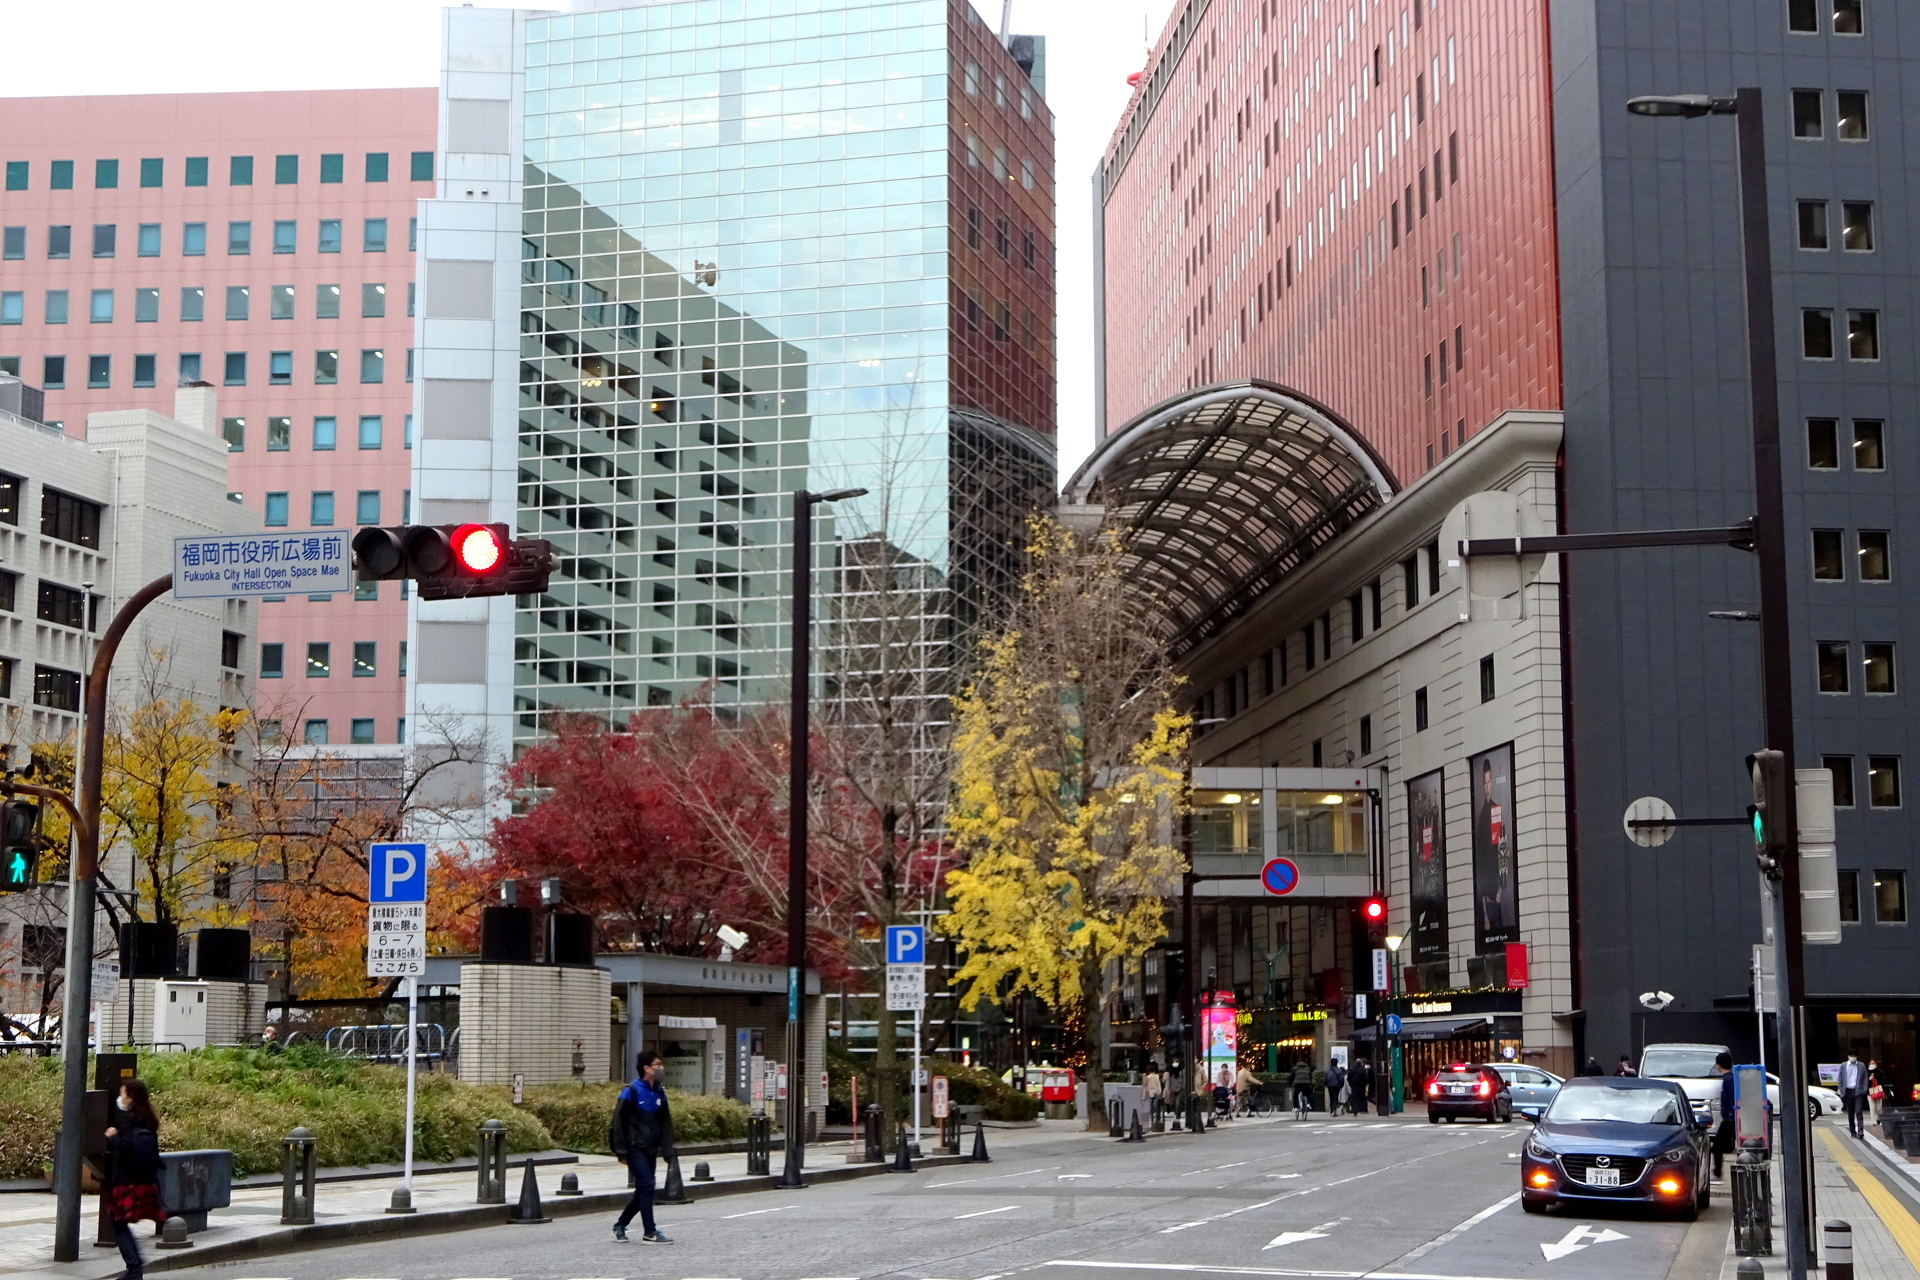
(1603, 1177)
(1459, 1088)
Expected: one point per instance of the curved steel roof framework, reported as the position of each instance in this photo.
(1220, 493)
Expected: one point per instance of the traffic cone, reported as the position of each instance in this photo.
(979, 1155)
(529, 1209)
(675, 1191)
(1136, 1135)
(902, 1157)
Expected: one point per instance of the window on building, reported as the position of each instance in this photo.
(9, 500)
(1847, 18)
(315, 733)
(1863, 335)
(373, 365)
(286, 170)
(147, 240)
(413, 235)
(1869, 452)
(362, 727)
(1803, 16)
(1876, 667)
(365, 590)
(326, 367)
(53, 372)
(1317, 755)
(421, 169)
(1816, 333)
(329, 235)
(143, 369)
(1486, 679)
(54, 688)
(280, 302)
(1856, 226)
(366, 507)
(106, 237)
(373, 301)
(272, 661)
(196, 171)
(240, 171)
(333, 167)
(326, 302)
(376, 170)
(286, 235)
(1849, 897)
(17, 175)
(364, 652)
(1808, 115)
(239, 238)
(1374, 593)
(1834, 666)
(325, 433)
(13, 243)
(1875, 553)
(239, 301)
(279, 434)
(193, 240)
(1823, 444)
(370, 433)
(60, 175)
(1850, 115)
(1813, 224)
(374, 236)
(60, 242)
(235, 373)
(13, 306)
(1266, 674)
(193, 303)
(280, 368)
(319, 660)
(403, 658)
(1420, 709)
(106, 175)
(1829, 556)
(1306, 641)
(275, 514)
(99, 371)
(69, 519)
(62, 606)
(1889, 896)
(153, 172)
(1366, 735)
(1356, 618)
(1883, 782)
(234, 431)
(189, 367)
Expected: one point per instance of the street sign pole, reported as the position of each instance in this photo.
(397, 948)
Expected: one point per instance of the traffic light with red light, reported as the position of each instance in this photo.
(454, 561)
(1374, 912)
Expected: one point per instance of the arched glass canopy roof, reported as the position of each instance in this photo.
(1221, 492)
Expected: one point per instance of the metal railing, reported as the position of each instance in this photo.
(386, 1042)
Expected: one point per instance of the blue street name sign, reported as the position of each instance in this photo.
(906, 944)
(398, 872)
(239, 565)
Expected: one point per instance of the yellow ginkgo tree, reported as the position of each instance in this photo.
(1067, 776)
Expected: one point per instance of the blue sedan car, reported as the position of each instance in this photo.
(1621, 1140)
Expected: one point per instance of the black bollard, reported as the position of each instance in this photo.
(569, 1185)
(902, 1154)
(701, 1171)
(529, 1209)
(979, 1155)
(1839, 1249)
(873, 1135)
(673, 1191)
(1116, 1127)
(1137, 1134)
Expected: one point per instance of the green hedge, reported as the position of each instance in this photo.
(578, 1115)
(975, 1086)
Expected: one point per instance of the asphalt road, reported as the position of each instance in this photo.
(1346, 1198)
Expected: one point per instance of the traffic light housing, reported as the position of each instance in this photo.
(1768, 813)
(1374, 912)
(19, 845)
(454, 561)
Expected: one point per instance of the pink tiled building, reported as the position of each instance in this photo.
(263, 243)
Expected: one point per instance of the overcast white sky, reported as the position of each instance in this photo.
(177, 46)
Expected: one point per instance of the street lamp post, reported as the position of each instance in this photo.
(1776, 659)
(1395, 1093)
(797, 791)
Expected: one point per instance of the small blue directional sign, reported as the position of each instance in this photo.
(906, 944)
(1280, 877)
(1393, 1024)
(398, 872)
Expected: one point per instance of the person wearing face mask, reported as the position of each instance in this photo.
(642, 1132)
(133, 1188)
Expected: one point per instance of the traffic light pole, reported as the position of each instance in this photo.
(77, 994)
(797, 794)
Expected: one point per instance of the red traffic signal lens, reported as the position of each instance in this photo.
(478, 548)
(1375, 910)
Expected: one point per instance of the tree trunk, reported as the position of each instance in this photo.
(1093, 994)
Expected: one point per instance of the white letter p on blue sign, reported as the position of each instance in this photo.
(906, 944)
(398, 872)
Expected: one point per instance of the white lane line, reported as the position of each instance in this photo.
(1005, 1208)
(1448, 1237)
(748, 1214)
(1201, 1268)
(1215, 1168)
(1062, 1177)
(1304, 1191)
(994, 1177)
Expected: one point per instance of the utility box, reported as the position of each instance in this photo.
(180, 1015)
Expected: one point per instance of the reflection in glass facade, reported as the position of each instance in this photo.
(771, 246)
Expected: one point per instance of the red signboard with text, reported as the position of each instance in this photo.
(1516, 964)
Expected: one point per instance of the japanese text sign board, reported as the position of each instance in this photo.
(397, 910)
(906, 988)
(240, 565)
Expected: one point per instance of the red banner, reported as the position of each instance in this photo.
(1516, 964)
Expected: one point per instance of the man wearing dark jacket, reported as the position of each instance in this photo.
(642, 1131)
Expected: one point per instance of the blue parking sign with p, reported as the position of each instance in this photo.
(398, 872)
(906, 944)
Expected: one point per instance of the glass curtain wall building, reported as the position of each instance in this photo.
(762, 245)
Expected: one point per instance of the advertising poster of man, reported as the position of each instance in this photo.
(1427, 844)
(1495, 884)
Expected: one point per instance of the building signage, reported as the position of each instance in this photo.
(240, 565)
(397, 910)
(1309, 1015)
(1379, 968)
(1496, 881)
(1427, 845)
(1432, 1006)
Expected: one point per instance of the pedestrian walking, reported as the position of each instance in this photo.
(133, 1190)
(1593, 1067)
(1302, 1089)
(1152, 1087)
(1625, 1068)
(1853, 1093)
(642, 1131)
(1336, 1088)
(1723, 1132)
(1876, 1088)
(1360, 1087)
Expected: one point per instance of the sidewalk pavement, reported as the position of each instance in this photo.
(346, 1211)
(1853, 1181)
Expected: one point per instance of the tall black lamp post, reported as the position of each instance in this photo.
(1776, 659)
(803, 504)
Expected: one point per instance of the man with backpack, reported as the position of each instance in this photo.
(642, 1131)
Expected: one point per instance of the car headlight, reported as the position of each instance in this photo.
(1538, 1151)
(1677, 1155)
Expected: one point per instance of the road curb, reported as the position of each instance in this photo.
(319, 1235)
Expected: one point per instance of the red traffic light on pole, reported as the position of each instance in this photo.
(454, 561)
(1374, 912)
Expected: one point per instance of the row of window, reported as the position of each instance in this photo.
(1883, 781)
(1869, 451)
(1816, 334)
(1849, 116)
(321, 508)
(153, 171)
(316, 732)
(329, 238)
(62, 515)
(325, 437)
(234, 368)
(366, 660)
(1803, 16)
(1834, 661)
(59, 605)
(101, 303)
(1872, 555)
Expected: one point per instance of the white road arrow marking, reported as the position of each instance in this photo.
(1577, 1239)
(1294, 1237)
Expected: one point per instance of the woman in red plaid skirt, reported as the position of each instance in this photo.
(134, 1188)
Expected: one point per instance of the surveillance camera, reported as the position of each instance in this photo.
(730, 937)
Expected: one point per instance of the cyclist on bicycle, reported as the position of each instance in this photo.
(1302, 1089)
(1245, 1085)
